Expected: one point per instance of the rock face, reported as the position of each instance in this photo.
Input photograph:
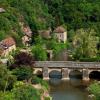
(45, 93)
(91, 97)
(2, 10)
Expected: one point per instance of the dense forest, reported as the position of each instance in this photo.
(81, 18)
(41, 14)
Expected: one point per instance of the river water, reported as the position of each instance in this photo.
(75, 89)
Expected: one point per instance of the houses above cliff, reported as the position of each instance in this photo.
(60, 33)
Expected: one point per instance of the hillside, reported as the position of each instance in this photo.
(42, 14)
(33, 13)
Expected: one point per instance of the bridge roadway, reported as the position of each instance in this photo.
(66, 67)
(67, 64)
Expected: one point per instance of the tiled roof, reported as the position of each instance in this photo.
(59, 29)
(7, 42)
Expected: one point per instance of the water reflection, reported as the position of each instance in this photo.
(74, 89)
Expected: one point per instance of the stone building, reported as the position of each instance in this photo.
(61, 34)
(6, 46)
(45, 34)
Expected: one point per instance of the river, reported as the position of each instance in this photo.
(75, 89)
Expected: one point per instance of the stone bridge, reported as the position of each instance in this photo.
(65, 67)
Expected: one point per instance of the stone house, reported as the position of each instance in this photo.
(6, 46)
(26, 39)
(61, 34)
(45, 34)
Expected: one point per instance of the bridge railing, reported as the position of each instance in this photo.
(67, 64)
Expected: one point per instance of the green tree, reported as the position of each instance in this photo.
(85, 43)
(39, 53)
(25, 92)
(23, 73)
(6, 78)
(21, 91)
(94, 88)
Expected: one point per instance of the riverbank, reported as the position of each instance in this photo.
(45, 93)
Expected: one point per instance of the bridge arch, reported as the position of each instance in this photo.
(94, 74)
(55, 73)
(38, 72)
(75, 74)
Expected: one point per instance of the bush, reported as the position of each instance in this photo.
(36, 80)
(39, 53)
(23, 73)
(47, 98)
(95, 89)
(25, 92)
(96, 59)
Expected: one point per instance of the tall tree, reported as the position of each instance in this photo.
(85, 43)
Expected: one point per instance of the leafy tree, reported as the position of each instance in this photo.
(6, 78)
(21, 91)
(23, 58)
(39, 52)
(39, 40)
(95, 89)
(25, 92)
(53, 44)
(6, 96)
(85, 43)
(23, 73)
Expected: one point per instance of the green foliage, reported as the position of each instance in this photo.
(85, 44)
(39, 40)
(6, 78)
(47, 98)
(96, 59)
(25, 92)
(23, 11)
(53, 44)
(39, 53)
(95, 89)
(6, 96)
(74, 14)
(36, 80)
(21, 91)
(23, 73)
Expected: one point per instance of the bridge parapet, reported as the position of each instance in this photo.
(68, 64)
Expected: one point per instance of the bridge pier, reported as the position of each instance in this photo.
(45, 73)
(86, 75)
(65, 74)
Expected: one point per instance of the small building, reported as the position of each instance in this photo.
(26, 39)
(45, 34)
(6, 46)
(2, 10)
(61, 34)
